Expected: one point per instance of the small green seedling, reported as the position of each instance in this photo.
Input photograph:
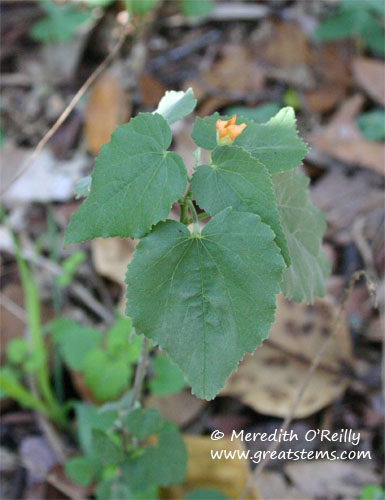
(60, 22)
(128, 453)
(356, 19)
(30, 357)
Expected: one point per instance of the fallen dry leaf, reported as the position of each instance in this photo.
(342, 139)
(370, 76)
(111, 256)
(227, 476)
(235, 71)
(180, 408)
(107, 107)
(151, 90)
(330, 479)
(344, 198)
(286, 45)
(269, 380)
(331, 66)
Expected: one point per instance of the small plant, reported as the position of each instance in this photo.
(207, 297)
(129, 452)
(30, 357)
(60, 22)
(362, 19)
(106, 361)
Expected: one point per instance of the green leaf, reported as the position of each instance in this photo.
(88, 418)
(106, 375)
(196, 8)
(140, 7)
(372, 492)
(167, 379)
(142, 423)
(218, 293)
(69, 267)
(235, 179)
(83, 187)
(342, 25)
(205, 494)
(204, 132)
(60, 23)
(373, 34)
(74, 341)
(134, 183)
(121, 342)
(356, 18)
(259, 114)
(304, 225)
(98, 3)
(163, 464)
(10, 387)
(275, 144)
(175, 105)
(80, 470)
(17, 350)
(120, 404)
(372, 124)
(104, 450)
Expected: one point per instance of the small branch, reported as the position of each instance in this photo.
(79, 94)
(140, 373)
(286, 423)
(13, 308)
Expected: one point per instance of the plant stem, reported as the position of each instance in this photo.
(32, 307)
(140, 373)
(194, 216)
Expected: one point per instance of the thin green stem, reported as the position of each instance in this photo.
(194, 216)
(32, 307)
(140, 373)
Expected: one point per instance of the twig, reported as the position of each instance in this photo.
(287, 421)
(79, 94)
(140, 373)
(54, 480)
(12, 307)
(79, 290)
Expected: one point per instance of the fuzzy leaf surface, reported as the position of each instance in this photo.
(208, 299)
(163, 464)
(237, 180)
(175, 105)
(275, 143)
(304, 225)
(134, 183)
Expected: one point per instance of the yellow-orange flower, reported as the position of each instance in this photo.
(227, 131)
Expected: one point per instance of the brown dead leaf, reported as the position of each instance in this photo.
(370, 76)
(342, 139)
(107, 107)
(111, 257)
(180, 408)
(226, 476)
(269, 380)
(286, 45)
(151, 90)
(235, 71)
(345, 198)
(325, 97)
(330, 479)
